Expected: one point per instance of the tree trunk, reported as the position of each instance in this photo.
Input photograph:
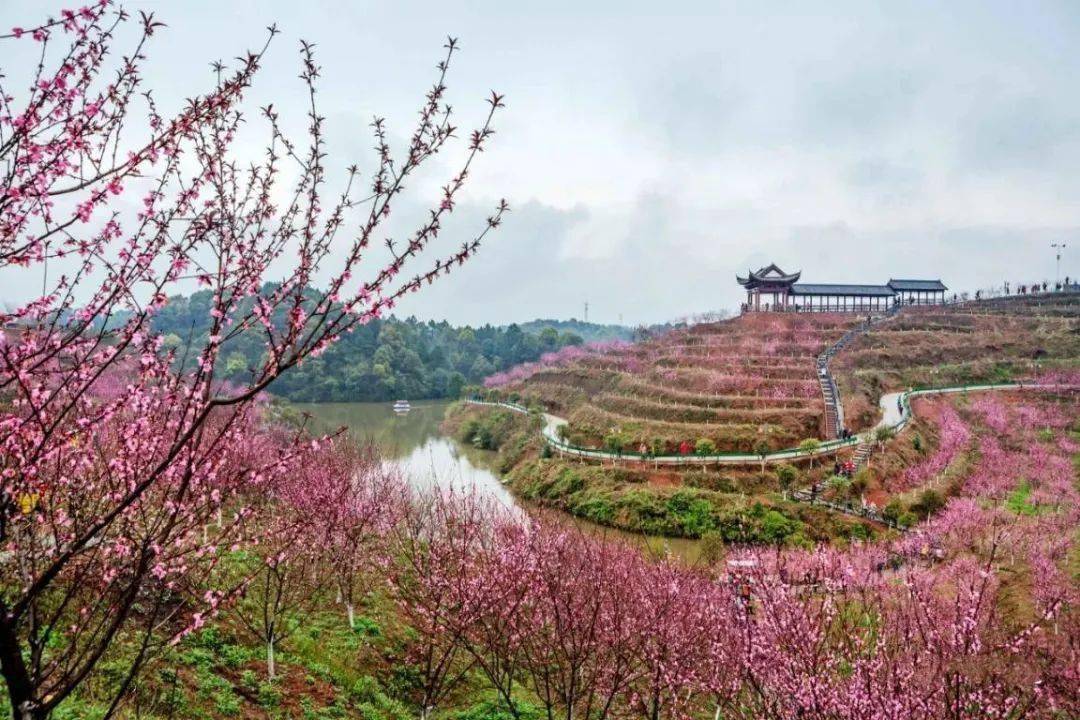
(352, 616)
(270, 658)
(16, 678)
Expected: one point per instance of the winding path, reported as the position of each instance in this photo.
(895, 411)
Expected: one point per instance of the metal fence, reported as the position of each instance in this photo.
(826, 447)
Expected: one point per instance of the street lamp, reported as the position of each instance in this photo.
(1059, 247)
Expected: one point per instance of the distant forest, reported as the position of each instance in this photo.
(387, 359)
(589, 332)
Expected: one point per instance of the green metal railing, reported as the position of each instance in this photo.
(826, 447)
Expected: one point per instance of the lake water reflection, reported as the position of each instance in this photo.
(414, 441)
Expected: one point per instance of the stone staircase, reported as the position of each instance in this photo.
(830, 396)
(862, 454)
(834, 410)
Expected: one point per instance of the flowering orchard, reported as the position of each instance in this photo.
(737, 383)
(945, 345)
(589, 628)
(127, 469)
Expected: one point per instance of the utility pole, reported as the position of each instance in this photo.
(1058, 247)
(586, 311)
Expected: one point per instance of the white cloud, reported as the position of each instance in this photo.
(652, 151)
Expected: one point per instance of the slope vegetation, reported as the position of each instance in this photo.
(999, 340)
(737, 386)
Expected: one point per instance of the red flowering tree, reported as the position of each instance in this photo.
(110, 456)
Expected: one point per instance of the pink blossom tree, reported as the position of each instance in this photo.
(111, 456)
(582, 653)
(434, 549)
(351, 500)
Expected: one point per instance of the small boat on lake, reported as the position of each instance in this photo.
(402, 406)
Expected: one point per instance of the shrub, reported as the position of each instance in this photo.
(776, 528)
(917, 443)
(226, 702)
(692, 512)
(787, 475)
(568, 482)
(929, 502)
(614, 442)
(713, 549)
(861, 532)
(705, 446)
(597, 509)
(367, 627)
(839, 483)
(269, 696)
(497, 710)
(860, 482)
(893, 510)
(468, 430)
(708, 481)
(233, 656)
(810, 446)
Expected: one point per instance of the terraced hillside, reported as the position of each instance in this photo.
(741, 385)
(998, 340)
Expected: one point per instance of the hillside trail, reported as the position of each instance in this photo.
(895, 410)
(895, 415)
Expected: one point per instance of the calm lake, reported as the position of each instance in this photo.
(415, 442)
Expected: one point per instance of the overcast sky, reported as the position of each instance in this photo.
(652, 150)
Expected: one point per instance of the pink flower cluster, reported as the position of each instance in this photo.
(127, 468)
(955, 435)
(873, 632)
(561, 358)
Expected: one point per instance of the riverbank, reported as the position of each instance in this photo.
(733, 505)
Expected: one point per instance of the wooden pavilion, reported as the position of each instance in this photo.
(784, 293)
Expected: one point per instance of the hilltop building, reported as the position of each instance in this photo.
(790, 295)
